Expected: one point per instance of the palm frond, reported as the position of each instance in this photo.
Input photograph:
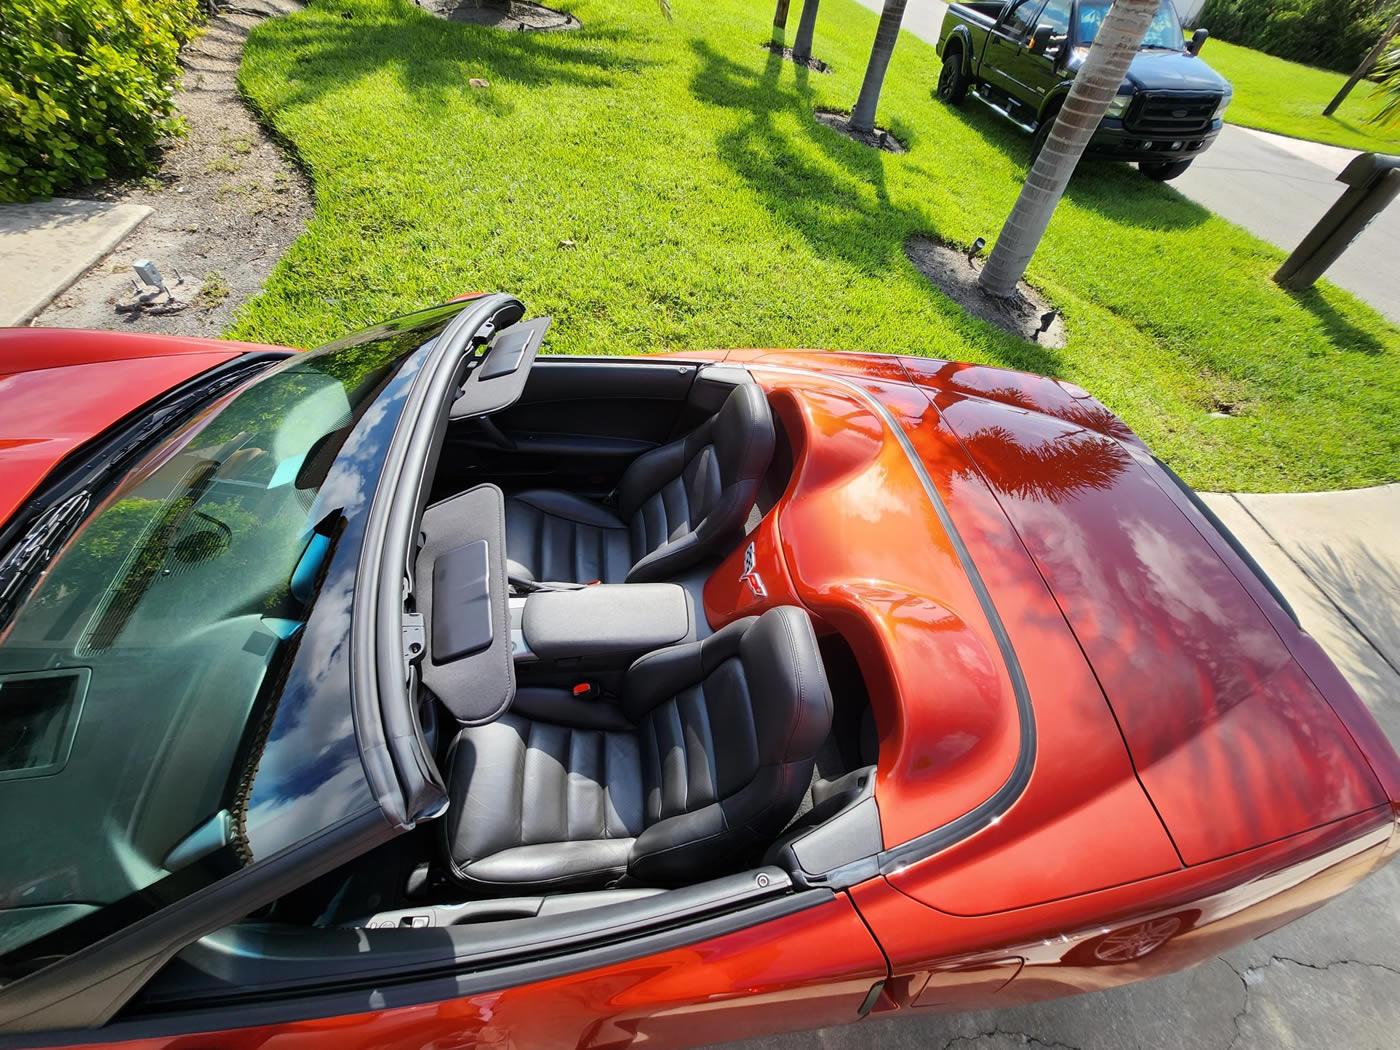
(1387, 90)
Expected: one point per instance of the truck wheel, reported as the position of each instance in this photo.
(1042, 135)
(1163, 170)
(952, 83)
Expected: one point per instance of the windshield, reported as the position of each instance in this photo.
(139, 677)
(1164, 33)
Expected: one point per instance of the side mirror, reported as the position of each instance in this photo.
(1040, 39)
(1198, 41)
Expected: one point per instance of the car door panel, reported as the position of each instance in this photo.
(808, 968)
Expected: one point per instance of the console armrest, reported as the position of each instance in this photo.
(607, 620)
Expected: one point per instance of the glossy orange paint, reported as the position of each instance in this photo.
(806, 970)
(1120, 934)
(839, 542)
(1232, 741)
(61, 388)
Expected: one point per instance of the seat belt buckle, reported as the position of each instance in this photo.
(585, 690)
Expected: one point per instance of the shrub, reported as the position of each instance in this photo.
(1330, 34)
(86, 88)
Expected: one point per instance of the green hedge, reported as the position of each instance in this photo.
(86, 88)
(1329, 34)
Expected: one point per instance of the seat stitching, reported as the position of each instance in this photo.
(797, 669)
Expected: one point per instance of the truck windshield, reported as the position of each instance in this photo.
(1163, 34)
(137, 676)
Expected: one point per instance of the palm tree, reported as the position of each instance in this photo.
(1095, 85)
(780, 14)
(1388, 88)
(863, 116)
(806, 26)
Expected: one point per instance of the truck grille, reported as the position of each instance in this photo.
(1152, 114)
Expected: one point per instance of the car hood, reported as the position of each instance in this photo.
(60, 389)
(1231, 739)
(1174, 71)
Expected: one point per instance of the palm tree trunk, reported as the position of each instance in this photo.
(1095, 84)
(863, 116)
(806, 26)
(780, 14)
(1363, 69)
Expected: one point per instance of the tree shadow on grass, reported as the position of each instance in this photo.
(1341, 332)
(321, 51)
(1112, 189)
(828, 189)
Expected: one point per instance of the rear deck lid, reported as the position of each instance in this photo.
(1229, 737)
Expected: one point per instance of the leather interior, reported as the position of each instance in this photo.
(699, 766)
(676, 505)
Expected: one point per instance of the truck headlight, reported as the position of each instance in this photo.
(1118, 106)
(1225, 100)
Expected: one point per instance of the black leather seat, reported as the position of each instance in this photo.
(675, 505)
(700, 766)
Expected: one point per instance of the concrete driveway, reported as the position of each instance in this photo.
(1275, 187)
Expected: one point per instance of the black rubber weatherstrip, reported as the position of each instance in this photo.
(986, 812)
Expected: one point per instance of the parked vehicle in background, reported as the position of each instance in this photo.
(1020, 58)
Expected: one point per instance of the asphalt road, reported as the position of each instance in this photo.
(1275, 187)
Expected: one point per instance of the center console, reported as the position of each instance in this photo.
(603, 627)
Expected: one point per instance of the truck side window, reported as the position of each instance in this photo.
(1056, 16)
(1018, 21)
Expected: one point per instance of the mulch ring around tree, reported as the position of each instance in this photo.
(877, 139)
(816, 65)
(518, 15)
(1029, 315)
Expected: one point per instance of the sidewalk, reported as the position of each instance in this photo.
(50, 244)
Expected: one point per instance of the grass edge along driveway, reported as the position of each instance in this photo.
(1287, 98)
(663, 186)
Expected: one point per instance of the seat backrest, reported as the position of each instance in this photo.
(729, 730)
(687, 500)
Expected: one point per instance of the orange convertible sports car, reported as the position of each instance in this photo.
(420, 691)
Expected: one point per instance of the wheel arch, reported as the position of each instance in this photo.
(961, 38)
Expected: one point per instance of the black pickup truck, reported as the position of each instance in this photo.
(1020, 57)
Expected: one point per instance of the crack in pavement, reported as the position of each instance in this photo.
(1252, 975)
(1025, 1038)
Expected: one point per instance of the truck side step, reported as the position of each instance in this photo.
(997, 107)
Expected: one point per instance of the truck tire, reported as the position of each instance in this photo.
(952, 81)
(1163, 170)
(1042, 134)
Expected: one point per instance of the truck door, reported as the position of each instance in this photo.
(1045, 70)
(1006, 62)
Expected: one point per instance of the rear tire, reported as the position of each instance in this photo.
(952, 82)
(1042, 135)
(1163, 170)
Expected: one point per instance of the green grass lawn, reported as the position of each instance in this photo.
(662, 186)
(1287, 98)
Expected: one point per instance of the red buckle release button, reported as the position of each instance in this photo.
(583, 689)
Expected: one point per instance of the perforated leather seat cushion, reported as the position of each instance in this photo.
(702, 763)
(676, 505)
